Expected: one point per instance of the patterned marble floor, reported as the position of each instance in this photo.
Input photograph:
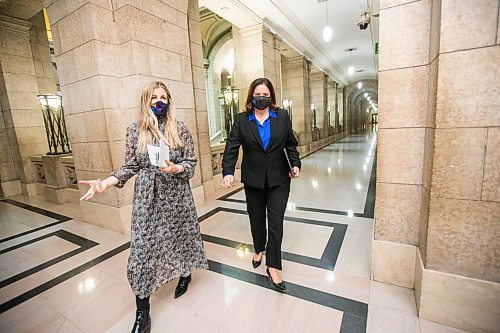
(58, 274)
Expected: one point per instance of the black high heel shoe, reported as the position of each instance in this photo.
(182, 286)
(256, 263)
(280, 286)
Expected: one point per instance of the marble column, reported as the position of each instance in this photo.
(296, 86)
(23, 131)
(332, 105)
(320, 98)
(438, 204)
(44, 68)
(341, 109)
(403, 125)
(459, 244)
(274, 65)
(200, 105)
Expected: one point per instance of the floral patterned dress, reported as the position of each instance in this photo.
(166, 241)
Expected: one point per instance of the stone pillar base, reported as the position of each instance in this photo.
(468, 304)
(199, 196)
(209, 187)
(54, 170)
(40, 189)
(393, 263)
(60, 195)
(108, 217)
(29, 189)
(330, 130)
(315, 134)
(11, 188)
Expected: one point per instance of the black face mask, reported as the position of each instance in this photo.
(261, 102)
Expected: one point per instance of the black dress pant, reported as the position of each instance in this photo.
(274, 200)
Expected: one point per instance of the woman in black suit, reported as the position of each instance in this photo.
(264, 131)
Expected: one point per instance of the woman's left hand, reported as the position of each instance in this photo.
(295, 173)
(171, 168)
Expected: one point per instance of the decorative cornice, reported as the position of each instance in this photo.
(318, 76)
(295, 61)
(255, 30)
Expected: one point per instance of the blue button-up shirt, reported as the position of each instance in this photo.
(265, 128)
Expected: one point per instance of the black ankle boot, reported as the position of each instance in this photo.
(142, 322)
(182, 286)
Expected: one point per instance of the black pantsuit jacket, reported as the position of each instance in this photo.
(257, 162)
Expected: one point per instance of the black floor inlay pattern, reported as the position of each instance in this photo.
(60, 218)
(61, 278)
(353, 321)
(83, 243)
(355, 313)
(328, 258)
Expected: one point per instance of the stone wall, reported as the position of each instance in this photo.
(106, 53)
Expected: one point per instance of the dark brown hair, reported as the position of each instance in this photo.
(257, 82)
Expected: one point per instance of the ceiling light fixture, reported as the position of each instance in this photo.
(327, 31)
(350, 69)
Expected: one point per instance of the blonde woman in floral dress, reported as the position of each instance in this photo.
(165, 238)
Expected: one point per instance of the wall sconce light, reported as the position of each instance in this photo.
(313, 111)
(287, 104)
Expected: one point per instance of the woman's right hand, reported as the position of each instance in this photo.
(96, 186)
(227, 181)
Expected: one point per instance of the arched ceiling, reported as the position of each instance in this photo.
(300, 24)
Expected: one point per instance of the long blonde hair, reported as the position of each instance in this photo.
(148, 124)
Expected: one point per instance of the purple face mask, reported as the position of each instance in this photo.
(159, 108)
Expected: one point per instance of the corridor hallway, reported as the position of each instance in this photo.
(61, 275)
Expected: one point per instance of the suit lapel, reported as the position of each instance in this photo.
(255, 132)
(274, 130)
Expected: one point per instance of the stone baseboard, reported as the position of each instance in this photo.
(112, 218)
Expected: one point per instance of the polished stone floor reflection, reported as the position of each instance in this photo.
(61, 275)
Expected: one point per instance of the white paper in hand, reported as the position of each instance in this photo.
(158, 155)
